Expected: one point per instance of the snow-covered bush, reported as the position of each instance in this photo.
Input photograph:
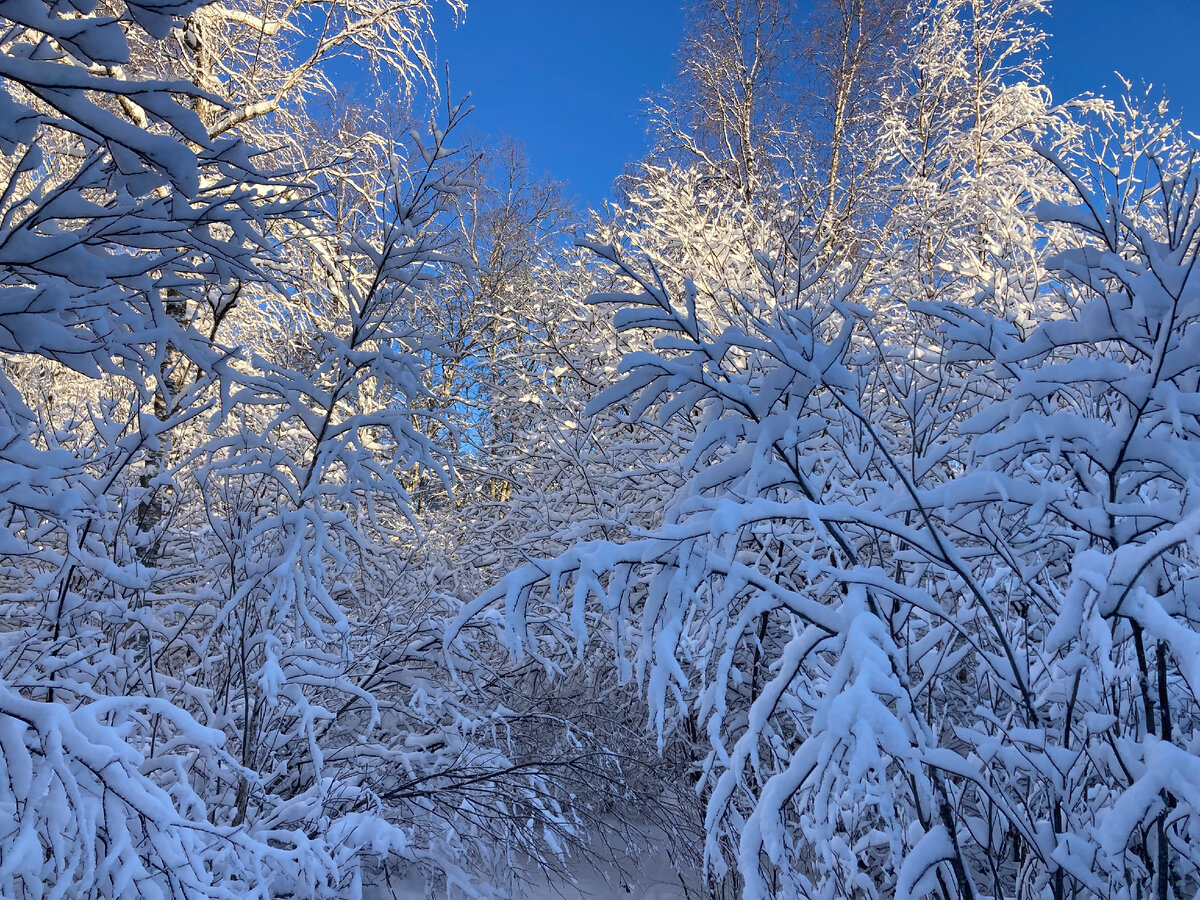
(926, 591)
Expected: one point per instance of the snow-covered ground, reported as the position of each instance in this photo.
(646, 875)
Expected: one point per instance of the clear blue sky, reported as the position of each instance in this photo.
(566, 78)
(1156, 41)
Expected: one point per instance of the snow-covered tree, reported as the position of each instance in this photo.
(924, 594)
(223, 673)
(867, 573)
(104, 223)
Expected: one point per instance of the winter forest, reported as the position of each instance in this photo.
(820, 519)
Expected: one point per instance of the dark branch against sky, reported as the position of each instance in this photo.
(567, 78)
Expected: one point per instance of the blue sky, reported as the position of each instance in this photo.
(566, 78)
(1156, 41)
